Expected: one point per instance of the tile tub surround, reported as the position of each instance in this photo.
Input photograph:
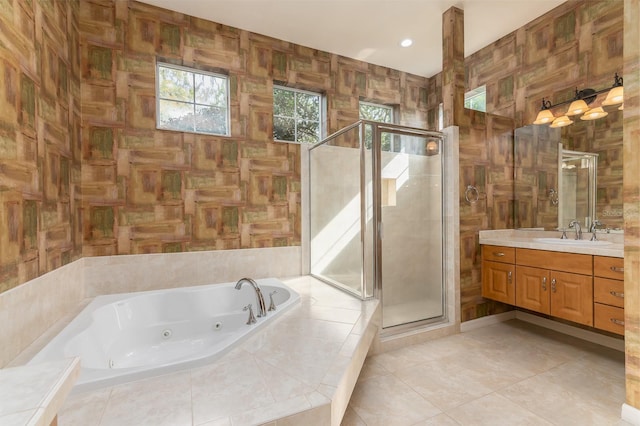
(33, 395)
(29, 310)
(525, 239)
(303, 364)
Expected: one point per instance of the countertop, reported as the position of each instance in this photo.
(526, 239)
(33, 395)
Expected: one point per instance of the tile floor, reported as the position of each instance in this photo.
(512, 373)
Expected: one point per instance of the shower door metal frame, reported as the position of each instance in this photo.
(362, 296)
(377, 227)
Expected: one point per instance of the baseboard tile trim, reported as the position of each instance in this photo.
(486, 321)
(630, 414)
(589, 336)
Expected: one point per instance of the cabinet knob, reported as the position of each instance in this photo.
(617, 269)
(510, 277)
(544, 283)
(498, 254)
(553, 285)
(616, 321)
(617, 294)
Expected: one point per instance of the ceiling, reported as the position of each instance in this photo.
(370, 30)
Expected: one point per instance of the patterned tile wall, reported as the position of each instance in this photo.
(578, 44)
(146, 190)
(486, 163)
(40, 122)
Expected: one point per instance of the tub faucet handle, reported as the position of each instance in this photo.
(252, 318)
(272, 306)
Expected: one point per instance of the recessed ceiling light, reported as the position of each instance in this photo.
(406, 42)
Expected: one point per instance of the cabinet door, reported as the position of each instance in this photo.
(497, 282)
(572, 297)
(532, 289)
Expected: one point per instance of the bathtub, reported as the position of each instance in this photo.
(125, 337)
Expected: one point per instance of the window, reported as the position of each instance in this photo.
(376, 112)
(476, 99)
(297, 115)
(190, 100)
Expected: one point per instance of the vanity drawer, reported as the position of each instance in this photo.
(608, 267)
(499, 254)
(608, 318)
(609, 292)
(556, 261)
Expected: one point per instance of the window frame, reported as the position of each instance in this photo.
(194, 72)
(321, 114)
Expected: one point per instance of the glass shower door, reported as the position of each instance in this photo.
(411, 230)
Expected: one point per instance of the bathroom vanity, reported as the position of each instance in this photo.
(577, 281)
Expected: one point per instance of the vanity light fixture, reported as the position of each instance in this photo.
(580, 105)
(561, 122)
(594, 114)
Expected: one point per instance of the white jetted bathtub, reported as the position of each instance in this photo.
(124, 337)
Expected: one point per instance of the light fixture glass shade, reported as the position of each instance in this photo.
(594, 114)
(614, 97)
(544, 117)
(577, 107)
(621, 107)
(561, 122)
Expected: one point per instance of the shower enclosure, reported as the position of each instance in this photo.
(376, 218)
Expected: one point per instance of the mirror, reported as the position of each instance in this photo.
(576, 195)
(538, 196)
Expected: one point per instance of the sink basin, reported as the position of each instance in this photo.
(572, 242)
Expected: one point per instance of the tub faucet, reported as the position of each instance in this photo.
(575, 224)
(262, 311)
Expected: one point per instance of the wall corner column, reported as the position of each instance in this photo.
(631, 191)
(453, 77)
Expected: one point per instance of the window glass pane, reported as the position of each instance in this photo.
(307, 106)
(175, 115)
(210, 119)
(376, 112)
(308, 131)
(283, 102)
(476, 99)
(297, 115)
(211, 90)
(284, 129)
(175, 84)
(191, 101)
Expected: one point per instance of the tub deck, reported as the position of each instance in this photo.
(300, 369)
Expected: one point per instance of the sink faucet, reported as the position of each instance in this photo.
(262, 311)
(575, 224)
(593, 227)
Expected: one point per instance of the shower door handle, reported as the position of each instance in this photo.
(380, 230)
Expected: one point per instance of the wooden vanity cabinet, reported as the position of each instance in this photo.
(572, 297)
(608, 293)
(532, 289)
(552, 283)
(498, 273)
